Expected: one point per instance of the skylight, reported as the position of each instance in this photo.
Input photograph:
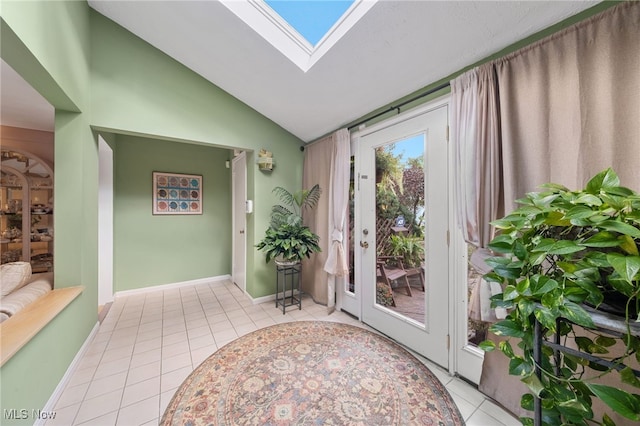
(301, 30)
(312, 19)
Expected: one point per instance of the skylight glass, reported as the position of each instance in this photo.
(302, 30)
(312, 19)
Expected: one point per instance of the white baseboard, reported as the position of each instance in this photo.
(269, 298)
(57, 392)
(209, 280)
(262, 299)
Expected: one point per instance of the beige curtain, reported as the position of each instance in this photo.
(316, 167)
(570, 105)
(326, 163)
(569, 108)
(337, 265)
(475, 133)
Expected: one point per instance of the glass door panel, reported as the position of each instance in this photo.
(400, 213)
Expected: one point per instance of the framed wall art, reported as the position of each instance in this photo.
(177, 193)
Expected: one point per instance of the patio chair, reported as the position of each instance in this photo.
(391, 270)
(419, 271)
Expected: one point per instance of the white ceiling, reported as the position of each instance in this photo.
(396, 48)
(22, 105)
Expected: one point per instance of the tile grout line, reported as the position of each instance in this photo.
(75, 418)
(130, 358)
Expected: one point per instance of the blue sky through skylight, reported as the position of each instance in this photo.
(311, 18)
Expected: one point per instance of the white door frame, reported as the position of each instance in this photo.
(468, 358)
(105, 222)
(431, 337)
(239, 221)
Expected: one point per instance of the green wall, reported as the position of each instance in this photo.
(162, 249)
(138, 90)
(48, 44)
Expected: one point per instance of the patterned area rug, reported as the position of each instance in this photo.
(312, 373)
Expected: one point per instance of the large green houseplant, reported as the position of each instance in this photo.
(409, 248)
(559, 251)
(287, 239)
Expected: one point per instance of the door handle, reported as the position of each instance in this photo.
(242, 231)
(364, 244)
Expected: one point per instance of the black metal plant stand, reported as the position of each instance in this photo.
(604, 322)
(288, 280)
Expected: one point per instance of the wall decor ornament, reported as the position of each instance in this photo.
(175, 193)
(265, 160)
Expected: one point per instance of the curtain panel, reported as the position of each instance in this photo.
(568, 107)
(326, 163)
(316, 170)
(476, 136)
(337, 264)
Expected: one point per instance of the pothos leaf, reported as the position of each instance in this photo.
(621, 227)
(588, 199)
(558, 247)
(507, 328)
(545, 317)
(533, 383)
(573, 312)
(556, 218)
(605, 179)
(605, 341)
(519, 367)
(542, 284)
(602, 239)
(606, 420)
(623, 403)
(628, 245)
(626, 266)
(628, 376)
(526, 307)
(526, 401)
(487, 346)
(506, 349)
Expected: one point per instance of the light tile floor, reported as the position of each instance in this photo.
(149, 343)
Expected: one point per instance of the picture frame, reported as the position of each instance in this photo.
(177, 194)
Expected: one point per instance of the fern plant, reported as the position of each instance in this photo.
(410, 248)
(287, 239)
(294, 203)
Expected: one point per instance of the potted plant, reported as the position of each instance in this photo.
(559, 251)
(287, 240)
(409, 248)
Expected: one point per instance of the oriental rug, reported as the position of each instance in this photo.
(312, 373)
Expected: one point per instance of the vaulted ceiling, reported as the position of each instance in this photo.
(392, 50)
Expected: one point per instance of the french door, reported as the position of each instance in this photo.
(400, 237)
